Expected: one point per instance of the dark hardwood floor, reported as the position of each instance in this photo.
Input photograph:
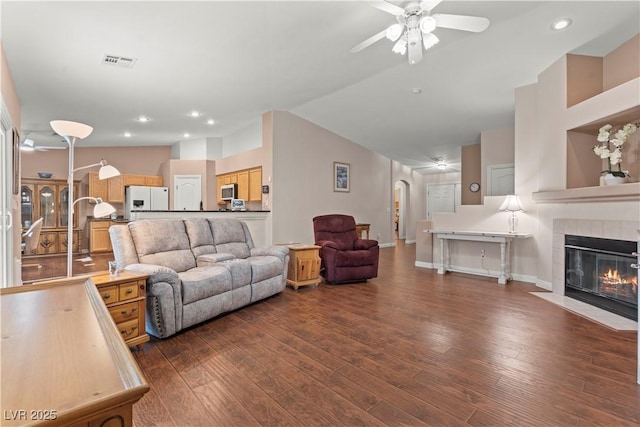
(409, 348)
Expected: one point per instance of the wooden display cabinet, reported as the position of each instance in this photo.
(48, 199)
(304, 265)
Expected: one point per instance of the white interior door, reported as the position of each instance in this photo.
(440, 198)
(500, 180)
(6, 197)
(188, 194)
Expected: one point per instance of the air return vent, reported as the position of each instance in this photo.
(119, 61)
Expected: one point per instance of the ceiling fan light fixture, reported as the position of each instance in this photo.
(400, 46)
(427, 24)
(441, 165)
(27, 145)
(430, 40)
(394, 32)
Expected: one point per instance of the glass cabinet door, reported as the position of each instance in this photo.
(46, 195)
(64, 206)
(26, 206)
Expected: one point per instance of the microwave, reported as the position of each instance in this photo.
(229, 192)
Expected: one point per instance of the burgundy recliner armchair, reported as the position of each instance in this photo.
(345, 256)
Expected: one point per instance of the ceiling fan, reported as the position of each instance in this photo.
(415, 26)
(29, 144)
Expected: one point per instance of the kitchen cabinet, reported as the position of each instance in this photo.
(249, 184)
(112, 190)
(109, 190)
(255, 185)
(48, 199)
(99, 240)
(243, 185)
(144, 180)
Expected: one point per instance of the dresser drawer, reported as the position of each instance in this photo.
(125, 312)
(109, 294)
(129, 329)
(128, 291)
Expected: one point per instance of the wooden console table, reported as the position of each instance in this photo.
(504, 239)
(362, 227)
(63, 360)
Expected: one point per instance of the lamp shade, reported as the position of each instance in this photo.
(102, 209)
(511, 204)
(107, 171)
(71, 129)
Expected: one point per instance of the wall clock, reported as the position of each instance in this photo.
(474, 187)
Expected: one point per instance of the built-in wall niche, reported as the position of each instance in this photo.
(584, 167)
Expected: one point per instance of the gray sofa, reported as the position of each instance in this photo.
(198, 268)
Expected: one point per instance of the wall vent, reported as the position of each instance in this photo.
(119, 61)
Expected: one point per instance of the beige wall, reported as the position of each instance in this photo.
(471, 172)
(497, 149)
(303, 156)
(622, 64)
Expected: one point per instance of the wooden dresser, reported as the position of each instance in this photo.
(63, 360)
(124, 296)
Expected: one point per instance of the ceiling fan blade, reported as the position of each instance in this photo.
(368, 42)
(387, 7)
(429, 5)
(474, 24)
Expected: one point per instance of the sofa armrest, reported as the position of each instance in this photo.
(209, 259)
(277, 251)
(364, 244)
(164, 299)
(327, 244)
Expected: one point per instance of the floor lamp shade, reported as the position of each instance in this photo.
(68, 129)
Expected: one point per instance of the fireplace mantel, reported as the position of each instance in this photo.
(621, 192)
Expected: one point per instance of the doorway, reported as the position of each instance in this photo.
(500, 180)
(188, 193)
(401, 208)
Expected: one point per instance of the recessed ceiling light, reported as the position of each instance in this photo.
(127, 134)
(186, 135)
(143, 119)
(561, 24)
(416, 91)
(211, 122)
(194, 114)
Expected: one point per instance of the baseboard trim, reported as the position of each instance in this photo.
(544, 285)
(409, 242)
(424, 264)
(494, 274)
(386, 245)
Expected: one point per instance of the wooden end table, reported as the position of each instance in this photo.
(304, 265)
(125, 296)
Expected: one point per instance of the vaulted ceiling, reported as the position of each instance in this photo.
(234, 60)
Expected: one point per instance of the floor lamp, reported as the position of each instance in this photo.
(72, 131)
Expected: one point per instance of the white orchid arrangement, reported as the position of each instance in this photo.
(610, 147)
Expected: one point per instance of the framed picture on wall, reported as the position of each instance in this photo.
(16, 161)
(341, 177)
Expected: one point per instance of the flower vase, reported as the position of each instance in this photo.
(610, 179)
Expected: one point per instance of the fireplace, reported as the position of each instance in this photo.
(598, 272)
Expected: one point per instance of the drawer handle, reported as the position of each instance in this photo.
(126, 313)
(106, 296)
(125, 333)
(636, 266)
(129, 291)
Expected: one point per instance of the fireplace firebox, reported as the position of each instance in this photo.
(598, 272)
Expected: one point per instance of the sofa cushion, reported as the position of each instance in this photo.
(163, 242)
(204, 282)
(229, 236)
(265, 267)
(200, 237)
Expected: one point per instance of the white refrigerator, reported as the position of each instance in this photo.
(141, 198)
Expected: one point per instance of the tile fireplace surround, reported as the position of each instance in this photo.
(606, 229)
